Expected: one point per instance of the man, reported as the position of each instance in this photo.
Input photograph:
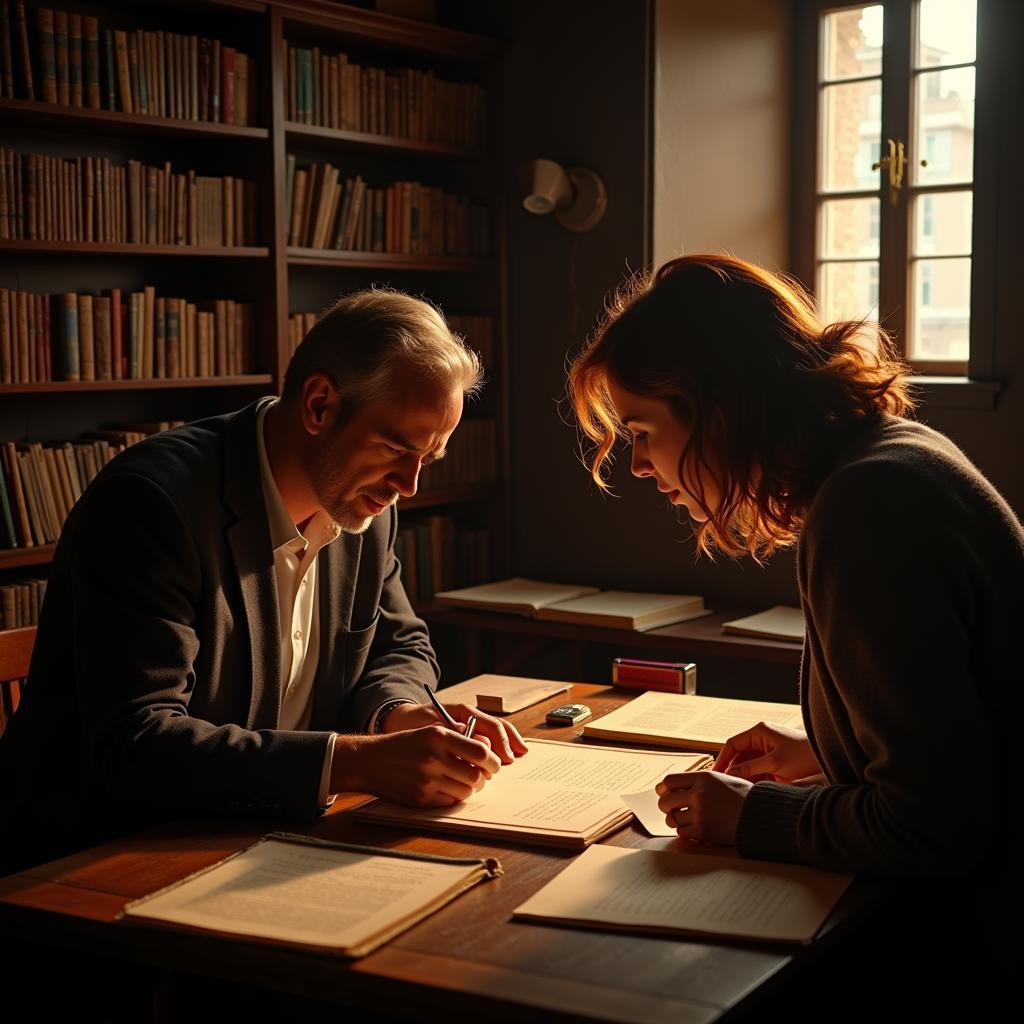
(225, 628)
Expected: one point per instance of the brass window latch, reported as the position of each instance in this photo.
(895, 164)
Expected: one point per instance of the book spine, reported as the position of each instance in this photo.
(227, 85)
(91, 32)
(60, 49)
(27, 83)
(160, 339)
(124, 79)
(6, 50)
(109, 71)
(75, 58)
(117, 347)
(47, 56)
(69, 310)
(86, 337)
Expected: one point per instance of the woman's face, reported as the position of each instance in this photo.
(659, 437)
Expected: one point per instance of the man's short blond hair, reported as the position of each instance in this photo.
(368, 338)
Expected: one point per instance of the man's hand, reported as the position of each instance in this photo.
(703, 805)
(428, 767)
(503, 737)
(770, 752)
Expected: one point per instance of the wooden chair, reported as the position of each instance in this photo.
(15, 655)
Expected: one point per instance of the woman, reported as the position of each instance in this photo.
(771, 427)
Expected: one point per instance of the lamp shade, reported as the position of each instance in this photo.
(544, 186)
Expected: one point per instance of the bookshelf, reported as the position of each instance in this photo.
(275, 278)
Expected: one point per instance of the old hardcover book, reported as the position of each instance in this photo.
(75, 59)
(517, 596)
(47, 56)
(124, 78)
(313, 893)
(620, 609)
(87, 345)
(688, 721)
(60, 49)
(558, 794)
(27, 83)
(71, 352)
(91, 61)
(667, 892)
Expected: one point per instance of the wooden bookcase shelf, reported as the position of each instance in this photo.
(298, 257)
(343, 140)
(17, 558)
(116, 123)
(696, 638)
(60, 387)
(279, 280)
(34, 246)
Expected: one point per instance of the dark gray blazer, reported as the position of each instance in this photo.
(155, 686)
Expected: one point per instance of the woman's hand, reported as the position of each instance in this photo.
(703, 805)
(770, 752)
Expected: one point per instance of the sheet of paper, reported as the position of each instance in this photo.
(670, 891)
(306, 894)
(567, 786)
(691, 717)
(645, 806)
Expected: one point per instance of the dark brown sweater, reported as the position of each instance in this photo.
(911, 574)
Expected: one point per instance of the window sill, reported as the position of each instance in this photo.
(956, 392)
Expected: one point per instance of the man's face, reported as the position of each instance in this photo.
(364, 465)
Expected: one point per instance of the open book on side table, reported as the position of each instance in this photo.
(558, 794)
(669, 892)
(336, 898)
(613, 609)
(688, 721)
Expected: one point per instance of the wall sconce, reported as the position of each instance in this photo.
(576, 196)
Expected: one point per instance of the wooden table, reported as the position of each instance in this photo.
(468, 958)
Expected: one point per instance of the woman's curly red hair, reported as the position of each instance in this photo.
(769, 391)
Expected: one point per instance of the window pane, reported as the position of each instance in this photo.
(848, 291)
(851, 43)
(942, 224)
(946, 31)
(944, 126)
(850, 227)
(941, 309)
(851, 136)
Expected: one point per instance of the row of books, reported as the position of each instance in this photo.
(91, 199)
(135, 336)
(477, 331)
(39, 483)
(20, 601)
(436, 554)
(326, 211)
(330, 91)
(68, 61)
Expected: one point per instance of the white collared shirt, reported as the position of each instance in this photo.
(298, 599)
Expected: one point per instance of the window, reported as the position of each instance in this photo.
(889, 187)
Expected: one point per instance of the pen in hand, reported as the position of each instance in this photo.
(447, 718)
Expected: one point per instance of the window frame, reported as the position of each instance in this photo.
(896, 227)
